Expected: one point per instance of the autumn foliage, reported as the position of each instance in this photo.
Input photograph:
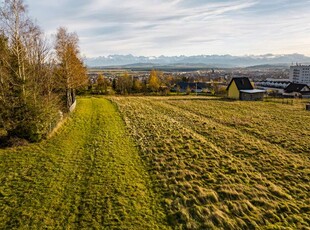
(34, 84)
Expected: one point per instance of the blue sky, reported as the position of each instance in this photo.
(180, 27)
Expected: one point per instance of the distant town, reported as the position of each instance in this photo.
(277, 81)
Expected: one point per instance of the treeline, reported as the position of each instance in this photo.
(156, 83)
(37, 79)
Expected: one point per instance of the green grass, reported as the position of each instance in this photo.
(164, 163)
(89, 175)
(225, 164)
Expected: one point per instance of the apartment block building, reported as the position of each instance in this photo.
(300, 74)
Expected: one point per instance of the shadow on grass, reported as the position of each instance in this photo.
(4, 142)
(7, 142)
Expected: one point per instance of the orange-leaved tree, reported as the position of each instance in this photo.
(70, 70)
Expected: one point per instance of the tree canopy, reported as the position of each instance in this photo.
(33, 82)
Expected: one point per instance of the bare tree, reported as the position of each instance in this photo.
(15, 24)
(124, 84)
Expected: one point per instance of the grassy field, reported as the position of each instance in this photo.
(164, 163)
(225, 164)
(88, 176)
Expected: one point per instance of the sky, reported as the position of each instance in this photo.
(179, 27)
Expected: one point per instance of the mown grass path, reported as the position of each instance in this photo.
(87, 176)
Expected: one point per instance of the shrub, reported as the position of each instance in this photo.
(32, 122)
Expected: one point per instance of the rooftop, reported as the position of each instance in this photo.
(294, 87)
(251, 91)
(242, 83)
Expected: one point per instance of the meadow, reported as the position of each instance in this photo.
(89, 175)
(163, 163)
(225, 164)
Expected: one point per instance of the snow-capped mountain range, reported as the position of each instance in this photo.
(207, 60)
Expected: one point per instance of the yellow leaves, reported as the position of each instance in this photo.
(71, 68)
(154, 82)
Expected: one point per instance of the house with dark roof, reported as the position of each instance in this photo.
(197, 87)
(240, 88)
(297, 90)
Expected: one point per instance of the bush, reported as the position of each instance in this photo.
(32, 122)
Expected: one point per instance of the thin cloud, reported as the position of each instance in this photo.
(175, 27)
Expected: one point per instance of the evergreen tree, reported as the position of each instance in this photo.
(25, 111)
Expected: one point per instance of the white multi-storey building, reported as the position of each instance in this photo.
(300, 74)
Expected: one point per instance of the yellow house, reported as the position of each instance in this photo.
(240, 88)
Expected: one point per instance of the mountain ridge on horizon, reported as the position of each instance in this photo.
(215, 60)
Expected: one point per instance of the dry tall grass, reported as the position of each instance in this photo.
(220, 164)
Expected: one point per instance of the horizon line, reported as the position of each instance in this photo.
(193, 55)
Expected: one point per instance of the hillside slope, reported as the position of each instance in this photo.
(190, 163)
(225, 164)
(87, 176)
